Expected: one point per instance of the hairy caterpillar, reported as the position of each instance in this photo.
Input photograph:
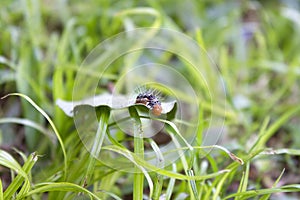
(150, 100)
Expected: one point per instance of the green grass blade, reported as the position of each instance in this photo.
(143, 11)
(107, 182)
(173, 132)
(158, 183)
(61, 186)
(218, 188)
(30, 123)
(104, 113)
(145, 165)
(266, 197)
(17, 182)
(171, 184)
(254, 193)
(244, 180)
(193, 183)
(50, 122)
(261, 141)
(138, 184)
(1, 191)
(294, 152)
(24, 189)
(8, 161)
(261, 133)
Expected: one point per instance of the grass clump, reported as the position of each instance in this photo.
(255, 46)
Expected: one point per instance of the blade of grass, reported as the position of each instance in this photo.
(61, 186)
(1, 191)
(254, 193)
(171, 184)
(173, 131)
(104, 113)
(218, 189)
(265, 135)
(260, 134)
(24, 189)
(144, 11)
(111, 195)
(138, 184)
(136, 160)
(192, 183)
(158, 178)
(50, 122)
(107, 182)
(231, 155)
(232, 170)
(29, 123)
(244, 180)
(142, 164)
(295, 152)
(8, 161)
(17, 182)
(60, 89)
(266, 197)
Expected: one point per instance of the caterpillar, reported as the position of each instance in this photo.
(150, 100)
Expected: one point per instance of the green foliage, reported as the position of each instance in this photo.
(42, 45)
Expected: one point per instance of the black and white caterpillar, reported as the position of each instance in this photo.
(150, 100)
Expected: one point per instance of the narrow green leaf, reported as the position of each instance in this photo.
(104, 113)
(265, 135)
(143, 11)
(50, 122)
(219, 187)
(266, 197)
(158, 178)
(24, 189)
(171, 183)
(246, 178)
(295, 152)
(29, 123)
(144, 164)
(108, 182)
(254, 193)
(1, 191)
(61, 186)
(261, 133)
(8, 161)
(193, 183)
(138, 184)
(17, 182)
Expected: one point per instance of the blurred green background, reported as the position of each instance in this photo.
(255, 44)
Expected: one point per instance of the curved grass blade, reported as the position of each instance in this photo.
(50, 122)
(267, 196)
(62, 186)
(18, 181)
(8, 161)
(104, 113)
(143, 11)
(145, 165)
(266, 134)
(29, 123)
(133, 158)
(254, 193)
(173, 132)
